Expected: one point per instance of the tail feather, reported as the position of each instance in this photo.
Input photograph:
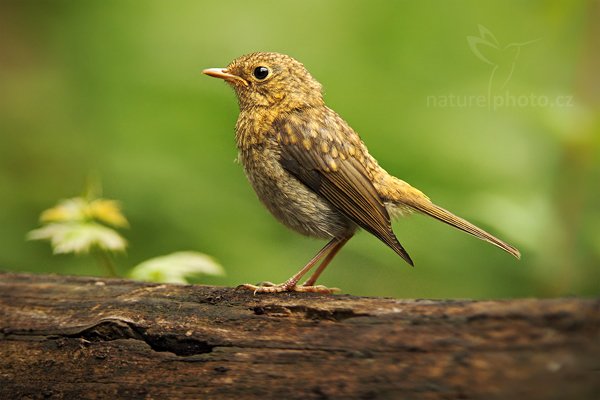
(426, 207)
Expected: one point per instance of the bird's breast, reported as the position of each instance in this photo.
(289, 200)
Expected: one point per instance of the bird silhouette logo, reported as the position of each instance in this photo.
(502, 59)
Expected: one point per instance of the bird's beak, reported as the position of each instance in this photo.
(222, 73)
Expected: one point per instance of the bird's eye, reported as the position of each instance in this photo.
(261, 73)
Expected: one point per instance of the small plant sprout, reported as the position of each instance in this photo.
(83, 225)
(87, 224)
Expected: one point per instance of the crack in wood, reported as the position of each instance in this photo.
(115, 329)
(305, 312)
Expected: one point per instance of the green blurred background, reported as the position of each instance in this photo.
(114, 88)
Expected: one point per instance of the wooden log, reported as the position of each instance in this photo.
(79, 337)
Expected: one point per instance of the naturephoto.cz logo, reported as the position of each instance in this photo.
(502, 62)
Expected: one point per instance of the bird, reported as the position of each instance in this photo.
(312, 171)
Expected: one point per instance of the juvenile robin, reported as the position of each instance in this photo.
(312, 171)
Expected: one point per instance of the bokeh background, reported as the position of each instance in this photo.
(114, 89)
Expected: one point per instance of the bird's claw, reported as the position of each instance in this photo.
(268, 287)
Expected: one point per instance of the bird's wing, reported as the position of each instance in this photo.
(336, 175)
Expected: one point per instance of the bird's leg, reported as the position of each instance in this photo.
(334, 250)
(291, 284)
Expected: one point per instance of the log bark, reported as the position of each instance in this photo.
(80, 337)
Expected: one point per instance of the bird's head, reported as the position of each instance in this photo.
(270, 80)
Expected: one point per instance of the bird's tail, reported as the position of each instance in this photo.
(425, 206)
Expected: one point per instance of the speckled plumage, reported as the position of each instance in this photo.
(309, 167)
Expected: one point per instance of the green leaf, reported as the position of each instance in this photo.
(78, 209)
(68, 210)
(107, 211)
(78, 237)
(176, 267)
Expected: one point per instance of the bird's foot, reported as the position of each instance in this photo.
(268, 287)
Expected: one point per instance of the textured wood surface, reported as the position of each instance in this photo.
(79, 337)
